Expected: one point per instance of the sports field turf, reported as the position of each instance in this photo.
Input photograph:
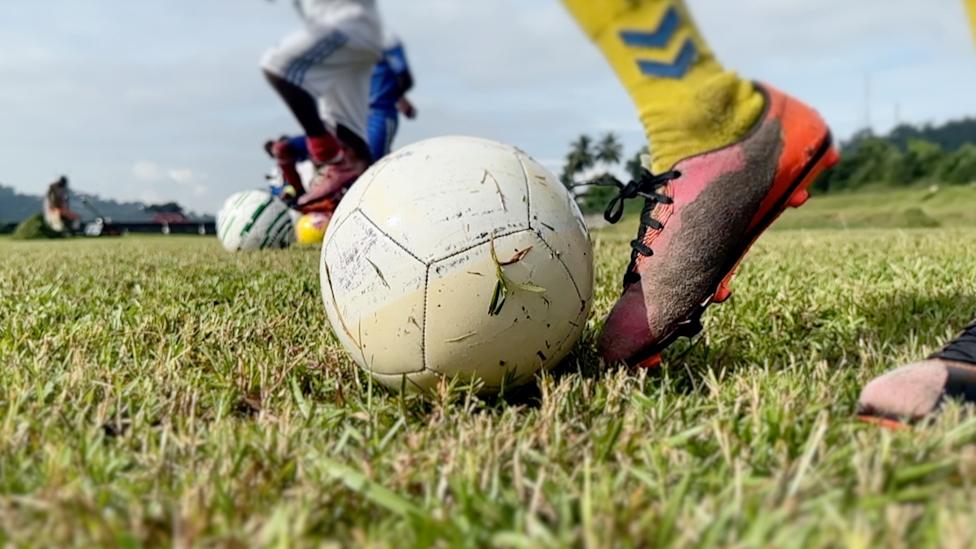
(159, 390)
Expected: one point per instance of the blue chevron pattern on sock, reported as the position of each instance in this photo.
(676, 70)
(658, 38)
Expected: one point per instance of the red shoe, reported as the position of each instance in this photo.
(701, 218)
(331, 183)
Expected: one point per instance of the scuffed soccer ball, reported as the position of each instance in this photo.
(254, 220)
(457, 257)
(310, 229)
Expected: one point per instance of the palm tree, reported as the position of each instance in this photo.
(581, 154)
(634, 165)
(581, 157)
(609, 151)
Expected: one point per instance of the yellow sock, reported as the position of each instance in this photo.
(687, 102)
(971, 5)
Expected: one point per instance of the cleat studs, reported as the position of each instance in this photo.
(799, 198)
(723, 294)
(652, 362)
(832, 158)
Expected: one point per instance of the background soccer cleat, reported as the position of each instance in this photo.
(913, 392)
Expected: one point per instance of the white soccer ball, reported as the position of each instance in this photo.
(457, 257)
(255, 220)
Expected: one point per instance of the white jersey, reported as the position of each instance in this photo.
(333, 58)
(334, 11)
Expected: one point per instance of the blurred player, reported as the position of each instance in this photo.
(917, 390)
(391, 80)
(728, 157)
(58, 215)
(322, 72)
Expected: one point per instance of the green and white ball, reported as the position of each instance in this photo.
(255, 220)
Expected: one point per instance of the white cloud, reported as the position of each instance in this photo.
(157, 179)
(148, 172)
(182, 176)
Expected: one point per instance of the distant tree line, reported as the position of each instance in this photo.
(905, 156)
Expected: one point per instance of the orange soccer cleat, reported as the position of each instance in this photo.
(700, 219)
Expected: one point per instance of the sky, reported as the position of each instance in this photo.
(160, 100)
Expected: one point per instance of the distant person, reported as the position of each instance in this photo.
(392, 79)
(322, 73)
(917, 390)
(55, 220)
(58, 215)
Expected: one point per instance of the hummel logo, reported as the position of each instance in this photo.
(659, 39)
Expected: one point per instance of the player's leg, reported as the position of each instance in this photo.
(729, 156)
(346, 107)
(915, 391)
(688, 103)
(287, 69)
(53, 220)
(382, 129)
(288, 152)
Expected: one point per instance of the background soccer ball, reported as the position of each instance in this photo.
(458, 257)
(254, 220)
(310, 229)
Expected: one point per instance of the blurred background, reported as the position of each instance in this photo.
(162, 101)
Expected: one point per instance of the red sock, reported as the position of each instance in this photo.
(324, 149)
(287, 161)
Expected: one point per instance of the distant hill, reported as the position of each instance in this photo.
(15, 207)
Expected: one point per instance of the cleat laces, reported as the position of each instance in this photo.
(648, 187)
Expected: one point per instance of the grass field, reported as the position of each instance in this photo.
(157, 391)
(913, 207)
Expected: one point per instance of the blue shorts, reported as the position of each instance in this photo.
(382, 128)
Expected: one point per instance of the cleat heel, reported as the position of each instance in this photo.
(799, 198)
(723, 294)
